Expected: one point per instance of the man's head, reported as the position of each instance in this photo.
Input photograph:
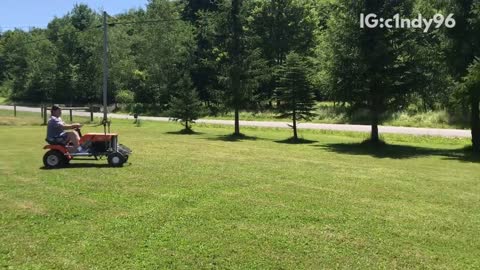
(56, 111)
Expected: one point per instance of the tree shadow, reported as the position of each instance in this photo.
(465, 154)
(401, 151)
(184, 132)
(292, 140)
(234, 138)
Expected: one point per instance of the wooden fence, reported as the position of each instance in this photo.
(44, 111)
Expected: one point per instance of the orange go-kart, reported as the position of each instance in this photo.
(96, 145)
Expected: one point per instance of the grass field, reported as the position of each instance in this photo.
(210, 201)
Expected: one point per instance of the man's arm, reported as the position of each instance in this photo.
(72, 126)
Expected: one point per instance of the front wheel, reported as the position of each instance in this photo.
(116, 160)
(54, 159)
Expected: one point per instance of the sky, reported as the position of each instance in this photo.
(38, 13)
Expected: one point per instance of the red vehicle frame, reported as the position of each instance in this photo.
(95, 145)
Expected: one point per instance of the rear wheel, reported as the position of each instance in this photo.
(116, 160)
(54, 159)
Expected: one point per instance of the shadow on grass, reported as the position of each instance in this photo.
(82, 165)
(184, 132)
(401, 151)
(292, 140)
(234, 138)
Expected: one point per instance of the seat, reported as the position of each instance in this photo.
(55, 142)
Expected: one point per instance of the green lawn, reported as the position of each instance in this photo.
(208, 201)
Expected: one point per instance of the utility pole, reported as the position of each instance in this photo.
(235, 55)
(105, 70)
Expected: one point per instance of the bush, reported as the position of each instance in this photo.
(137, 108)
(125, 98)
(5, 89)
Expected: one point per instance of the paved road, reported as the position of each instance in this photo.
(449, 133)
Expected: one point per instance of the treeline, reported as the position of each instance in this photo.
(230, 55)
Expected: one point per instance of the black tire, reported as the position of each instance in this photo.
(53, 159)
(126, 158)
(116, 160)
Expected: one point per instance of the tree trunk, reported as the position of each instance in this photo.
(295, 135)
(374, 138)
(237, 122)
(374, 111)
(475, 122)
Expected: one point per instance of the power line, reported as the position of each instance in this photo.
(112, 24)
(58, 35)
(144, 22)
(22, 27)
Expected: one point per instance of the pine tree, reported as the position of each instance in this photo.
(369, 68)
(294, 91)
(462, 48)
(185, 106)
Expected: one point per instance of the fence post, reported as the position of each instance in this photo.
(44, 115)
(14, 110)
(41, 111)
(71, 116)
(91, 113)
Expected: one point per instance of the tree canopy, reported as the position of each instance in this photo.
(234, 52)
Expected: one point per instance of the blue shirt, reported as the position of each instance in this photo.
(55, 127)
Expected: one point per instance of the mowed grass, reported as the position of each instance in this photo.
(210, 201)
